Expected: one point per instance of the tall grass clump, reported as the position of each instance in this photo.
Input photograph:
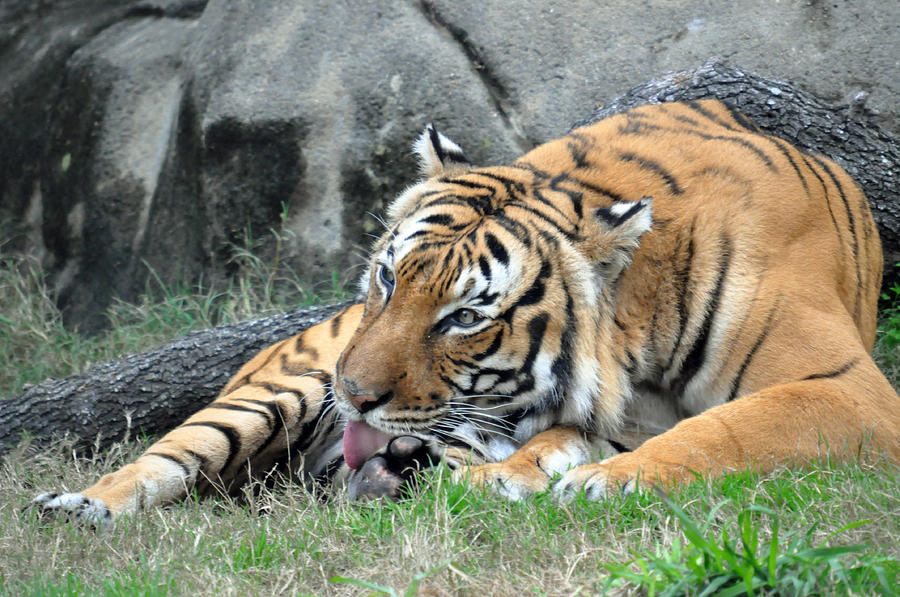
(35, 345)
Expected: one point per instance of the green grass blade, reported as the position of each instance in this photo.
(380, 589)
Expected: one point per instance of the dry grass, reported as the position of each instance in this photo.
(34, 344)
(284, 540)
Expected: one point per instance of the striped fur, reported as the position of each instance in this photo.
(670, 272)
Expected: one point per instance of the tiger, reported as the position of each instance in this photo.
(666, 294)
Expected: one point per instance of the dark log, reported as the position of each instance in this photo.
(148, 392)
(845, 133)
(156, 390)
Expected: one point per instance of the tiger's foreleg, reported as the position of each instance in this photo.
(276, 407)
(791, 424)
(533, 466)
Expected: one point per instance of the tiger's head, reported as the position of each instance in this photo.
(484, 319)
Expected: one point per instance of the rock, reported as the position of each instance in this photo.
(149, 138)
(109, 212)
(312, 113)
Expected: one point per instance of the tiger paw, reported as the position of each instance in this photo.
(512, 481)
(623, 474)
(390, 473)
(73, 507)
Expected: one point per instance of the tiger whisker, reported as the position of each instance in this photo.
(382, 222)
(479, 426)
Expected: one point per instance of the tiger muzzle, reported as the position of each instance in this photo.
(362, 400)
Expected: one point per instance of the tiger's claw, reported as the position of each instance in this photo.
(72, 506)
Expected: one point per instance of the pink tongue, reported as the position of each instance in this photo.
(361, 440)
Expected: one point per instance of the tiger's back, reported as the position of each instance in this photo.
(747, 229)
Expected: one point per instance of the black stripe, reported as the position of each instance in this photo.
(569, 234)
(513, 188)
(696, 107)
(243, 409)
(492, 349)
(410, 269)
(277, 425)
(562, 365)
(175, 459)
(535, 294)
(739, 140)
(617, 445)
(784, 148)
(202, 461)
(514, 227)
(744, 143)
(736, 382)
(600, 190)
(825, 191)
(441, 219)
(485, 298)
(280, 389)
(484, 267)
(230, 433)
(436, 142)
(336, 323)
(275, 352)
(452, 384)
(682, 278)
(575, 196)
(695, 358)
(852, 225)
(538, 195)
(686, 120)
(832, 374)
(301, 348)
(496, 248)
(537, 327)
(576, 145)
(273, 407)
(482, 204)
(648, 165)
(741, 118)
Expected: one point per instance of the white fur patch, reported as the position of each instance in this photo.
(74, 505)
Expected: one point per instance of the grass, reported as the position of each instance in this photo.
(34, 344)
(834, 529)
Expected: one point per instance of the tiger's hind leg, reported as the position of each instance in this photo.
(275, 409)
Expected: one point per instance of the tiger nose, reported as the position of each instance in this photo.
(362, 400)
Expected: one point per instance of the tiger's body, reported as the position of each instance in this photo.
(670, 271)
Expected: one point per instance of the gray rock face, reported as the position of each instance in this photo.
(157, 135)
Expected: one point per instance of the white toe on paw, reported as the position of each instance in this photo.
(74, 506)
(492, 476)
(575, 481)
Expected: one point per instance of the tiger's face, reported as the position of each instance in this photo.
(481, 318)
(461, 327)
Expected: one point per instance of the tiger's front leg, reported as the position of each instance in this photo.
(532, 467)
(276, 409)
(787, 425)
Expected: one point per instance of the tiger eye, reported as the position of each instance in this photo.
(466, 316)
(387, 276)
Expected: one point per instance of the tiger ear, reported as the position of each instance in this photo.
(617, 232)
(627, 219)
(438, 155)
